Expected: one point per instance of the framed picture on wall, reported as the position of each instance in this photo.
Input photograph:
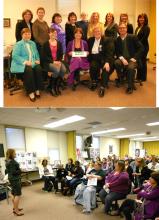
(110, 149)
(6, 22)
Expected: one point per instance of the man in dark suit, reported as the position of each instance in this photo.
(128, 51)
(101, 51)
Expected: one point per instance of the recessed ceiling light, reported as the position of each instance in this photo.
(64, 121)
(117, 108)
(153, 123)
(144, 138)
(108, 131)
(130, 135)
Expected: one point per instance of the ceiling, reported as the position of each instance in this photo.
(133, 119)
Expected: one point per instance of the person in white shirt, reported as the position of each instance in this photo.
(46, 173)
(153, 165)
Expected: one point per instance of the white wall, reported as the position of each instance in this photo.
(104, 146)
(39, 141)
(14, 9)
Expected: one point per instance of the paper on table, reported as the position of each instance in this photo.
(92, 182)
(68, 177)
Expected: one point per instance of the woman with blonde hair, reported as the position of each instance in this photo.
(93, 23)
(14, 176)
(111, 28)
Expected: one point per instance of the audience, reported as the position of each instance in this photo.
(142, 32)
(27, 17)
(52, 61)
(25, 60)
(61, 36)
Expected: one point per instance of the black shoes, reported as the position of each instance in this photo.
(53, 92)
(74, 87)
(101, 91)
(129, 90)
(93, 86)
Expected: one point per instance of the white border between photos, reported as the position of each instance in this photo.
(157, 52)
(1, 54)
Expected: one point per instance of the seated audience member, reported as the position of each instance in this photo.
(116, 186)
(94, 23)
(111, 28)
(69, 166)
(77, 63)
(40, 31)
(129, 169)
(148, 200)
(25, 60)
(128, 51)
(52, 60)
(153, 165)
(124, 19)
(27, 17)
(61, 36)
(142, 32)
(90, 166)
(141, 173)
(74, 178)
(101, 52)
(70, 27)
(60, 177)
(46, 173)
(97, 159)
(83, 24)
(88, 191)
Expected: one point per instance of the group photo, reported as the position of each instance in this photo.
(74, 53)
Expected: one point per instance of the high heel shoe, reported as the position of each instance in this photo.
(18, 214)
(18, 209)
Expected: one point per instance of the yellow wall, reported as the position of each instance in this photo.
(152, 147)
(152, 38)
(71, 144)
(124, 147)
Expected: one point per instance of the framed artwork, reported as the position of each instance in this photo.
(110, 149)
(6, 22)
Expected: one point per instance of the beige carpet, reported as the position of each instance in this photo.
(39, 205)
(144, 96)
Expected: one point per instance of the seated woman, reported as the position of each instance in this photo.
(148, 196)
(46, 173)
(77, 63)
(52, 60)
(60, 177)
(25, 60)
(75, 176)
(116, 186)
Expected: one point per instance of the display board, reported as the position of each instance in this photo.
(27, 161)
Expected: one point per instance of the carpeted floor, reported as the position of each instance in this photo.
(39, 205)
(144, 96)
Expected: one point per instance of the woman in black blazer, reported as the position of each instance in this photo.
(142, 32)
(70, 27)
(52, 59)
(27, 16)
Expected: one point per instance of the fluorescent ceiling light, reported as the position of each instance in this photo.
(144, 138)
(117, 108)
(151, 140)
(109, 131)
(64, 121)
(130, 135)
(153, 123)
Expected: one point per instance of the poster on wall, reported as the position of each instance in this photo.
(110, 149)
(137, 152)
(27, 161)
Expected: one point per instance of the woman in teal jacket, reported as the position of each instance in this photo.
(25, 60)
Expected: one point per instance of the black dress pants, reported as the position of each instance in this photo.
(33, 79)
(129, 70)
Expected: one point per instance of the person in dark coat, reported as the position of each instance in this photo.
(142, 32)
(128, 51)
(70, 27)
(27, 17)
(124, 18)
(14, 175)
